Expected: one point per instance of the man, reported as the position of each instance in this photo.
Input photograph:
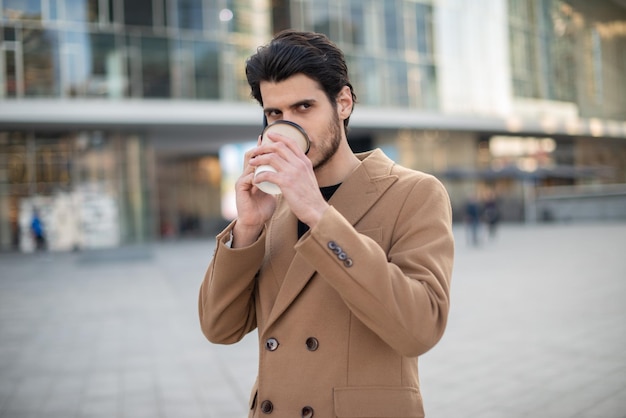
(37, 230)
(345, 291)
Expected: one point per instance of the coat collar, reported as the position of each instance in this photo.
(362, 189)
(357, 194)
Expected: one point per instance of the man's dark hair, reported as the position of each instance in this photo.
(308, 53)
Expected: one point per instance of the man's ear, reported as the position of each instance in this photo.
(344, 103)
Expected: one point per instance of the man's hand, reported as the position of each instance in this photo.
(254, 207)
(294, 175)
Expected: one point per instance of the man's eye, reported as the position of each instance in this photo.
(305, 106)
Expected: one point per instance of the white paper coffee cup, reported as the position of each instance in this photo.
(286, 128)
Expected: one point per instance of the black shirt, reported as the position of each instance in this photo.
(327, 192)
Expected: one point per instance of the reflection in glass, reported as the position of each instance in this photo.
(228, 21)
(188, 14)
(365, 76)
(321, 18)
(543, 41)
(423, 20)
(15, 160)
(393, 24)
(10, 76)
(41, 59)
(21, 9)
(52, 164)
(107, 76)
(212, 14)
(78, 10)
(155, 67)
(354, 28)
(75, 55)
(183, 82)
(9, 34)
(138, 12)
(397, 82)
(206, 70)
(428, 87)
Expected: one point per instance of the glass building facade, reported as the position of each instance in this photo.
(570, 51)
(145, 49)
(143, 93)
(91, 189)
(195, 49)
(389, 46)
(96, 186)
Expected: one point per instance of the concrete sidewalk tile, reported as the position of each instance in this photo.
(613, 406)
(100, 407)
(32, 389)
(139, 404)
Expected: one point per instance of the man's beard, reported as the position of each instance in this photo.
(334, 133)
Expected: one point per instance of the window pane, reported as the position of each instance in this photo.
(424, 30)
(428, 87)
(138, 12)
(53, 10)
(182, 70)
(112, 15)
(52, 166)
(227, 20)
(397, 84)
(155, 70)
(80, 10)
(189, 14)
(10, 79)
(355, 27)
(321, 18)
(281, 15)
(92, 66)
(41, 53)
(9, 34)
(366, 78)
(22, 9)
(107, 76)
(207, 70)
(74, 63)
(213, 14)
(393, 25)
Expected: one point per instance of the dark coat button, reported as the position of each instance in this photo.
(338, 250)
(332, 245)
(271, 344)
(312, 343)
(342, 256)
(267, 407)
(348, 262)
(307, 412)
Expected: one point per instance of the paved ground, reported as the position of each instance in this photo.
(537, 329)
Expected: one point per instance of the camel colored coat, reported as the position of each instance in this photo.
(344, 312)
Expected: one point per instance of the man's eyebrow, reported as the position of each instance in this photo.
(270, 110)
(303, 102)
(294, 105)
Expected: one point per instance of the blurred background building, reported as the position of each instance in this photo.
(121, 121)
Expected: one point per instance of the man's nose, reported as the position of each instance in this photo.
(290, 116)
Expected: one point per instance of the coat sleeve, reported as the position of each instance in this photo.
(401, 294)
(226, 301)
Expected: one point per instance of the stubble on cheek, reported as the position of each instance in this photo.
(330, 145)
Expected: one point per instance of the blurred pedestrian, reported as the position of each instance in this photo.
(346, 274)
(472, 219)
(491, 214)
(38, 231)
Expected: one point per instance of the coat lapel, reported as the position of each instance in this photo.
(353, 199)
